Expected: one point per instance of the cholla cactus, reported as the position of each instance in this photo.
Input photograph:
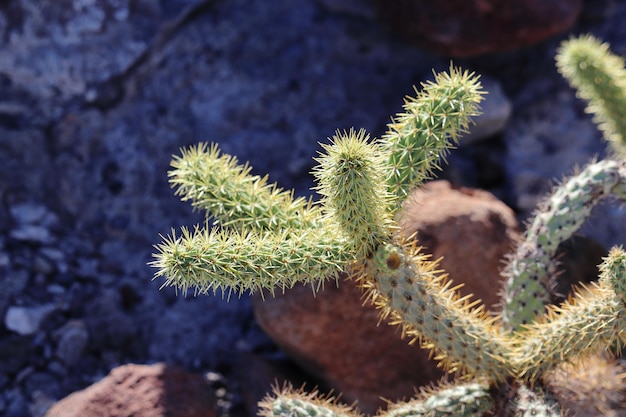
(263, 238)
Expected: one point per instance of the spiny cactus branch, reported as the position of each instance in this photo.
(430, 126)
(351, 178)
(532, 268)
(210, 260)
(599, 77)
(217, 183)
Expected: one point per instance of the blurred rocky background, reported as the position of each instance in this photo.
(96, 96)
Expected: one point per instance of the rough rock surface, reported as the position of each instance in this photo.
(463, 28)
(337, 338)
(142, 391)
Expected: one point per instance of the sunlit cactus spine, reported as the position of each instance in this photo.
(264, 239)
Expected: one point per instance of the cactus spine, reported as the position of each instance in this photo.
(265, 239)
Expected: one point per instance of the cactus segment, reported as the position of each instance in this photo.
(351, 178)
(406, 286)
(430, 126)
(287, 402)
(463, 400)
(613, 272)
(533, 266)
(215, 182)
(211, 260)
(599, 77)
(590, 321)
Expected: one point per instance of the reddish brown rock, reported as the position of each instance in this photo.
(141, 391)
(336, 338)
(463, 28)
(470, 229)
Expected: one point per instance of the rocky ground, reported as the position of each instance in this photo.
(95, 97)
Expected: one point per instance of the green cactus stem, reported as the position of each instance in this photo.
(351, 178)
(211, 260)
(534, 264)
(408, 287)
(430, 126)
(287, 402)
(591, 320)
(599, 77)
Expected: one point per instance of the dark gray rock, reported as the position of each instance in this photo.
(72, 339)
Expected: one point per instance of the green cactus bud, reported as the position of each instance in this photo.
(215, 182)
(462, 400)
(407, 286)
(351, 178)
(599, 77)
(430, 126)
(533, 266)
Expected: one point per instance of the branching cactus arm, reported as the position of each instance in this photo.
(532, 267)
(430, 126)
(351, 181)
(211, 260)
(217, 183)
(462, 400)
(600, 78)
(592, 320)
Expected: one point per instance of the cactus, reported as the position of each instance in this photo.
(264, 239)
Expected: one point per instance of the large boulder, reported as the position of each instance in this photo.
(464, 28)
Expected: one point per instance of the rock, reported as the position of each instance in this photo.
(26, 320)
(72, 339)
(141, 391)
(32, 233)
(470, 228)
(258, 375)
(336, 338)
(463, 28)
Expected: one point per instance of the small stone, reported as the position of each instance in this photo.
(28, 213)
(87, 268)
(5, 260)
(31, 233)
(26, 320)
(57, 257)
(73, 338)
